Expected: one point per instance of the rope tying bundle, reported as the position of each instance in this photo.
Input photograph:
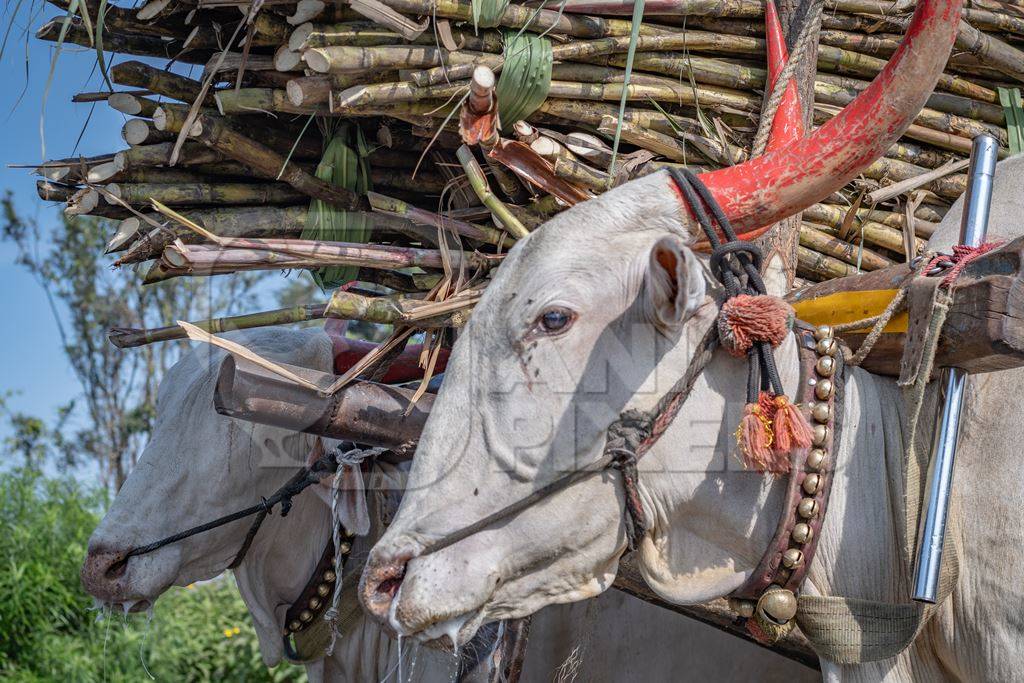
(962, 255)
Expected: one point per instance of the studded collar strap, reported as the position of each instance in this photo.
(768, 598)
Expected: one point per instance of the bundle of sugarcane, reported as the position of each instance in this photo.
(323, 136)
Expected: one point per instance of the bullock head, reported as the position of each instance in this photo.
(197, 466)
(595, 312)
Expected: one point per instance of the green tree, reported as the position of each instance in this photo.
(87, 298)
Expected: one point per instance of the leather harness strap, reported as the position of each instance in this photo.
(785, 563)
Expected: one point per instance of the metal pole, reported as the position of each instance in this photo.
(953, 381)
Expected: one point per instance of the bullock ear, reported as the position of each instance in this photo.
(673, 284)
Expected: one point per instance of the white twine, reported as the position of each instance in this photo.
(352, 458)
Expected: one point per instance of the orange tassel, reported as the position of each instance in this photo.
(790, 427)
(754, 437)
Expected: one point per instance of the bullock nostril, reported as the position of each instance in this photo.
(118, 566)
(390, 586)
(381, 581)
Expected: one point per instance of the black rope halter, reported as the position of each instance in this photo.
(303, 479)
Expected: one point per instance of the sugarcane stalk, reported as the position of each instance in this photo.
(50, 191)
(257, 100)
(990, 50)
(389, 93)
(834, 216)
(844, 62)
(132, 105)
(229, 142)
(533, 20)
(662, 90)
(205, 193)
(395, 309)
(947, 123)
(397, 207)
(249, 222)
(951, 186)
(592, 113)
(589, 49)
(157, 81)
(814, 266)
(312, 90)
(581, 174)
(874, 233)
(478, 181)
(158, 155)
(813, 238)
(370, 34)
(141, 45)
(141, 132)
(712, 8)
(249, 249)
(650, 139)
(400, 282)
(127, 338)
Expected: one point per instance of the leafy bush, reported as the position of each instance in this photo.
(47, 632)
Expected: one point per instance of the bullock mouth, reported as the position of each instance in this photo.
(381, 594)
(445, 633)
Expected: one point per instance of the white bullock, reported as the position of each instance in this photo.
(601, 310)
(200, 465)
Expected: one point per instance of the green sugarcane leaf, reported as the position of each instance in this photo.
(525, 78)
(341, 166)
(1010, 99)
(634, 36)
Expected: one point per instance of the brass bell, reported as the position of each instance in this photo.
(823, 389)
(743, 608)
(808, 508)
(295, 625)
(825, 366)
(816, 458)
(305, 616)
(792, 558)
(778, 605)
(330, 576)
(345, 548)
(802, 533)
(314, 603)
(826, 347)
(823, 332)
(821, 412)
(812, 483)
(323, 590)
(820, 435)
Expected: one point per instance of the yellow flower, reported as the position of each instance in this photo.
(190, 586)
(228, 633)
(236, 630)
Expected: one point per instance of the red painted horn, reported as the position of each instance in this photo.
(788, 124)
(771, 187)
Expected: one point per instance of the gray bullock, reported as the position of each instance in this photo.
(600, 310)
(200, 465)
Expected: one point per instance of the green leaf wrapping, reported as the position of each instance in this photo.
(341, 166)
(487, 13)
(525, 78)
(1011, 101)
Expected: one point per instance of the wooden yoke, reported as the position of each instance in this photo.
(984, 330)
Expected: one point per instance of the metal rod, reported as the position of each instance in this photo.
(953, 382)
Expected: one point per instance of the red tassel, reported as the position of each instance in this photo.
(754, 437)
(790, 427)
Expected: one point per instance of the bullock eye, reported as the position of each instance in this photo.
(554, 320)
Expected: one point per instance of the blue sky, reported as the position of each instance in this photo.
(31, 360)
